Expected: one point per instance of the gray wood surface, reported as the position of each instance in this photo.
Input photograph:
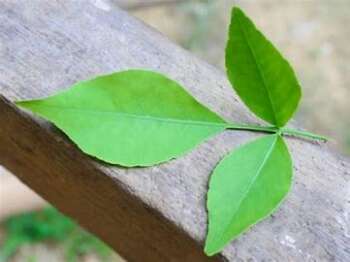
(157, 213)
(142, 4)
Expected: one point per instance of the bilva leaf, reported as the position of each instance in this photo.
(130, 118)
(263, 79)
(245, 187)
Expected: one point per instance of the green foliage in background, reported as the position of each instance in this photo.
(50, 225)
(201, 15)
(142, 118)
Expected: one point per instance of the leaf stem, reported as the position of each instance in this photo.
(272, 129)
(265, 129)
(303, 134)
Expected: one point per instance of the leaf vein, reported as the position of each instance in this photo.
(268, 153)
(144, 117)
(260, 72)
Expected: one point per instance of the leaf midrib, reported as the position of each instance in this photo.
(268, 153)
(142, 117)
(260, 72)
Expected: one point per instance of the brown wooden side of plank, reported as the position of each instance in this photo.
(46, 46)
(66, 178)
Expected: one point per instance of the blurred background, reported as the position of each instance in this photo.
(313, 35)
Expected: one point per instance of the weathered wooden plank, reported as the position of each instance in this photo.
(64, 176)
(142, 4)
(157, 213)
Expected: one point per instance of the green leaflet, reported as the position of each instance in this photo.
(130, 118)
(263, 79)
(246, 186)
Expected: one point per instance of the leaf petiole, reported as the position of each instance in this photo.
(303, 134)
(272, 129)
(265, 129)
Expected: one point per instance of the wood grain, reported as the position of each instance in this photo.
(142, 4)
(157, 213)
(63, 175)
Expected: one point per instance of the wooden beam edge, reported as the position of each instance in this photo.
(64, 176)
